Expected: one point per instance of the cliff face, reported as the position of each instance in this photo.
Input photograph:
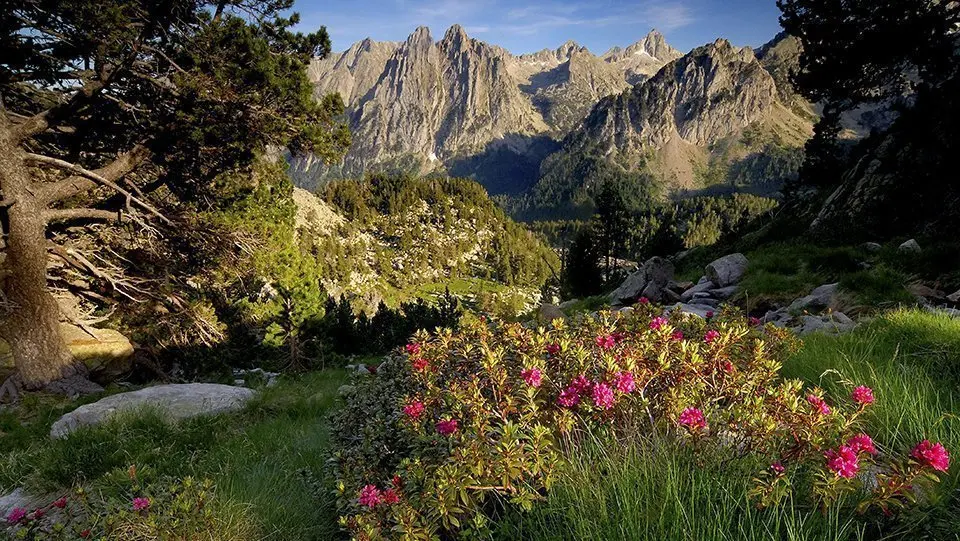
(423, 105)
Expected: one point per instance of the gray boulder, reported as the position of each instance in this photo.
(549, 312)
(910, 247)
(820, 298)
(700, 310)
(871, 247)
(702, 287)
(649, 281)
(178, 401)
(728, 270)
(723, 293)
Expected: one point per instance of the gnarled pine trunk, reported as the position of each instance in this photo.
(32, 324)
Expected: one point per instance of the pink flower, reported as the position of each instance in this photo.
(710, 314)
(862, 443)
(711, 336)
(657, 323)
(413, 410)
(370, 496)
(85, 534)
(755, 321)
(934, 455)
(693, 419)
(819, 404)
(569, 398)
(677, 335)
(16, 515)
(843, 462)
(532, 377)
(581, 384)
(625, 383)
(38, 514)
(727, 367)
(60, 504)
(553, 349)
(141, 504)
(420, 364)
(413, 349)
(603, 396)
(448, 427)
(390, 497)
(863, 395)
(643, 300)
(778, 468)
(606, 342)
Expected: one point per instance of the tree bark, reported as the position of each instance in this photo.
(32, 325)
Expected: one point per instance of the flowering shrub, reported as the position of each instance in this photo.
(461, 423)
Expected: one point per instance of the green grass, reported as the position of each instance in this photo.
(588, 305)
(266, 460)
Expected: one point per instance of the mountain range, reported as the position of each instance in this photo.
(543, 126)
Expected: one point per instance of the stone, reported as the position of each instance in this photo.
(568, 304)
(727, 270)
(820, 298)
(175, 402)
(630, 289)
(699, 310)
(649, 281)
(680, 287)
(871, 247)
(921, 290)
(954, 297)
(910, 247)
(17, 498)
(724, 293)
(702, 287)
(550, 312)
(705, 300)
(107, 353)
(842, 318)
(952, 312)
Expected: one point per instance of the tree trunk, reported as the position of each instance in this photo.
(32, 326)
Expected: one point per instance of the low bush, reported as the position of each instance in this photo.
(464, 425)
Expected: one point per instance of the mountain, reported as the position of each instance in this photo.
(466, 106)
(714, 116)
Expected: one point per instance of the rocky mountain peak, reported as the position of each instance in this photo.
(456, 36)
(420, 38)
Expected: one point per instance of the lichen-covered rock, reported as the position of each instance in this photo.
(728, 270)
(651, 281)
(175, 402)
(818, 299)
(910, 247)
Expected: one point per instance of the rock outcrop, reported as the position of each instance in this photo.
(106, 352)
(175, 402)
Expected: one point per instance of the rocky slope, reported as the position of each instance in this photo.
(686, 128)
(465, 105)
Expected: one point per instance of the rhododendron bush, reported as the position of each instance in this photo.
(459, 425)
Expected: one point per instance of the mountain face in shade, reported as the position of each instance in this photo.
(464, 105)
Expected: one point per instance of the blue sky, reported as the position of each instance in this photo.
(530, 25)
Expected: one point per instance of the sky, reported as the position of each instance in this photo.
(523, 26)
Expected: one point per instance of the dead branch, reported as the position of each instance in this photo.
(41, 121)
(62, 215)
(114, 171)
(78, 261)
(76, 169)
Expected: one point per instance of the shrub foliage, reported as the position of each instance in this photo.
(461, 424)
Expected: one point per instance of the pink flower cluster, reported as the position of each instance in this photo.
(819, 404)
(658, 323)
(677, 335)
(532, 377)
(447, 427)
(553, 349)
(420, 364)
(693, 419)
(414, 410)
(371, 496)
(413, 349)
(607, 341)
(711, 336)
(643, 300)
(932, 455)
(863, 395)
(625, 382)
(16, 515)
(603, 396)
(755, 321)
(141, 504)
(602, 393)
(845, 461)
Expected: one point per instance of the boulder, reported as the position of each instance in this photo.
(700, 310)
(871, 247)
(702, 287)
(954, 297)
(649, 281)
(727, 270)
(723, 293)
(549, 312)
(568, 304)
(910, 247)
(680, 287)
(175, 402)
(920, 290)
(107, 353)
(820, 298)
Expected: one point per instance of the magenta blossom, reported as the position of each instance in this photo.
(413, 349)
(863, 395)
(420, 364)
(677, 335)
(390, 496)
(413, 410)
(934, 455)
(553, 349)
(16, 515)
(693, 419)
(710, 314)
(581, 384)
(447, 427)
(862, 443)
(625, 383)
(778, 468)
(606, 341)
(711, 336)
(532, 377)
(755, 321)
(657, 323)
(843, 462)
(141, 504)
(603, 396)
(818, 403)
(643, 300)
(569, 398)
(370, 496)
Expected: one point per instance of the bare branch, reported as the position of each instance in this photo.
(7, 203)
(62, 215)
(115, 170)
(41, 121)
(77, 260)
(76, 169)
